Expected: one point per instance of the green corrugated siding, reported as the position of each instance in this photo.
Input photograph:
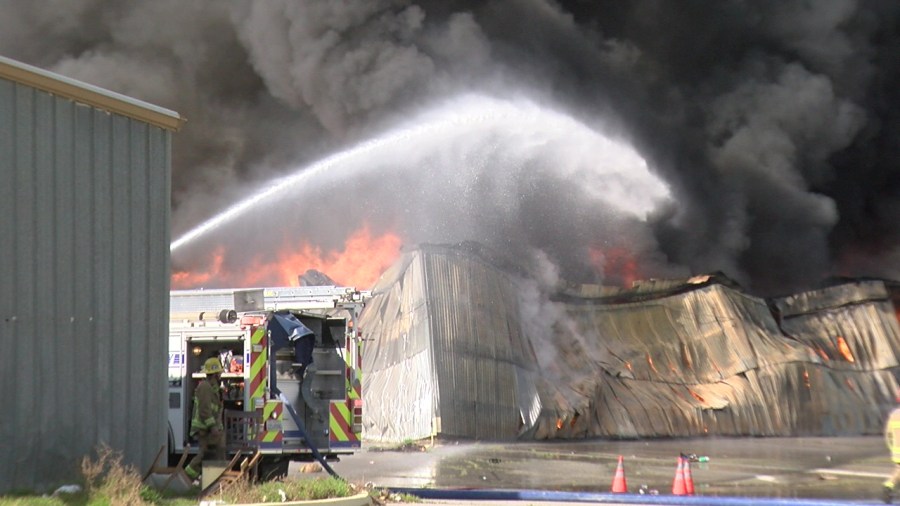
(84, 212)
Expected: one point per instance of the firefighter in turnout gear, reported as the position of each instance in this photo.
(206, 422)
(892, 438)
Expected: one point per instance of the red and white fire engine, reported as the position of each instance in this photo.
(292, 361)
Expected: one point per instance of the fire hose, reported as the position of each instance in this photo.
(563, 496)
(606, 498)
(302, 430)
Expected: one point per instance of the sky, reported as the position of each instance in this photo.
(607, 139)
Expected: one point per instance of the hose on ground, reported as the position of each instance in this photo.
(608, 498)
(309, 443)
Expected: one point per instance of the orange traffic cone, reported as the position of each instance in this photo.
(688, 479)
(619, 485)
(678, 484)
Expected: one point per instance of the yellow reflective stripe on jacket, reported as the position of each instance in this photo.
(207, 412)
(892, 435)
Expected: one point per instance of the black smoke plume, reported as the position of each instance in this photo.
(774, 122)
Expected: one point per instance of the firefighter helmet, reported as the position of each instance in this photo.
(212, 366)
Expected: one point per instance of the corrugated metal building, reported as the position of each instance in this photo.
(84, 215)
(441, 356)
(462, 346)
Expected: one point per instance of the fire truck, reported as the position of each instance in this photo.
(291, 386)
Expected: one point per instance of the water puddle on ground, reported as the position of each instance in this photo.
(834, 468)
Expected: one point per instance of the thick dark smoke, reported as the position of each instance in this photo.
(775, 123)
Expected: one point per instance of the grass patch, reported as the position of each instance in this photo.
(288, 490)
(11, 500)
(107, 481)
(382, 496)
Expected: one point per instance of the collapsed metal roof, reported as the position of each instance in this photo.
(462, 346)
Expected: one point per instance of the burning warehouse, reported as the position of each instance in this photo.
(671, 138)
(461, 345)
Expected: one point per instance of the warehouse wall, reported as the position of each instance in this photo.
(694, 358)
(479, 358)
(399, 387)
(441, 355)
(84, 218)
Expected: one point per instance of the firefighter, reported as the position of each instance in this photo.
(892, 438)
(206, 422)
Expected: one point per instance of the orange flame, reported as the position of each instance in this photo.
(359, 264)
(617, 264)
(650, 361)
(185, 279)
(844, 348)
(696, 395)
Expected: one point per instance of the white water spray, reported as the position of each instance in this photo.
(615, 173)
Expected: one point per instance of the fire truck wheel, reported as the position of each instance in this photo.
(273, 468)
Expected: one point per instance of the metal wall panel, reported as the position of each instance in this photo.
(84, 214)
(399, 385)
(701, 360)
(477, 352)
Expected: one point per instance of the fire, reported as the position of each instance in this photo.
(616, 263)
(650, 361)
(185, 279)
(696, 395)
(359, 264)
(844, 348)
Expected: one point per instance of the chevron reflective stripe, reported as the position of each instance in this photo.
(339, 423)
(272, 422)
(258, 358)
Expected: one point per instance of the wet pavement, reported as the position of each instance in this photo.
(844, 468)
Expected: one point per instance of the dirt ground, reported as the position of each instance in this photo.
(844, 468)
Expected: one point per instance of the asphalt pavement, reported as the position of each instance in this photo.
(772, 470)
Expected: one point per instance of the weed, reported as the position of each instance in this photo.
(30, 501)
(381, 496)
(288, 490)
(108, 480)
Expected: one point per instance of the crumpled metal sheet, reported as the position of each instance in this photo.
(399, 384)
(851, 326)
(702, 359)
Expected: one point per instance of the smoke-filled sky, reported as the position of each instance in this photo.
(773, 125)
